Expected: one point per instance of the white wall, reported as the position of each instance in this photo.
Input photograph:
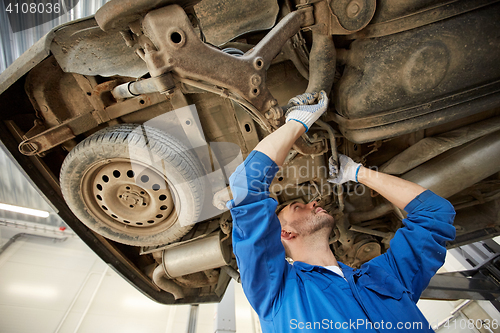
(63, 287)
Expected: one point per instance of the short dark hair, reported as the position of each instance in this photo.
(280, 208)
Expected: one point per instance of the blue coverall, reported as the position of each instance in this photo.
(379, 296)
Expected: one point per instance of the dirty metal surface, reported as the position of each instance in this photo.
(411, 119)
(322, 56)
(420, 18)
(84, 48)
(69, 129)
(36, 161)
(388, 10)
(430, 147)
(221, 21)
(29, 59)
(350, 15)
(54, 94)
(181, 51)
(419, 78)
(118, 14)
(298, 171)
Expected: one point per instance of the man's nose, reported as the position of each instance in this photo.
(312, 204)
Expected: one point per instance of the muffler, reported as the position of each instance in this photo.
(196, 256)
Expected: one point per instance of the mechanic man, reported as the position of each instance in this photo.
(317, 293)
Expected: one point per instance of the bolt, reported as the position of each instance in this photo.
(256, 80)
(168, 92)
(353, 9)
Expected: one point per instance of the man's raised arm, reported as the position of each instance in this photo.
(277, 144)
(398, 191)
(299, 117)
(418, 249)
(256, 228)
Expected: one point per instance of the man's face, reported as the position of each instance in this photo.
(305, 219)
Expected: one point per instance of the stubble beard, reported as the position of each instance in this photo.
(318, 222)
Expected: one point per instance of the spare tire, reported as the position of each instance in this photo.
(134, 185)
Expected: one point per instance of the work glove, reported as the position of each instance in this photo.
(306, 108)
(348, 170)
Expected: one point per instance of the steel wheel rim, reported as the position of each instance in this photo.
(129, 195)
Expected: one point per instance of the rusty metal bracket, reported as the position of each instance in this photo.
(69, 129)
(177, 48)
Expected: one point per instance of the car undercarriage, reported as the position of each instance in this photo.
(131, 122)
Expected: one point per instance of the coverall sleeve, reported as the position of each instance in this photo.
(418, 249)
(257, 232)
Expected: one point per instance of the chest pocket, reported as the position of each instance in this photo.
(380, 282)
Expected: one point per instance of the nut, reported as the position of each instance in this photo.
(353, 9)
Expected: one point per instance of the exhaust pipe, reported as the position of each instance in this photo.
(162, 84)
(459, 168)
(161, 280)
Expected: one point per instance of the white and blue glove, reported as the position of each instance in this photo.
(306, 108)
(348, 170)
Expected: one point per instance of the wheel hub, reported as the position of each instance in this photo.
(130, 194)
(132, 199)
